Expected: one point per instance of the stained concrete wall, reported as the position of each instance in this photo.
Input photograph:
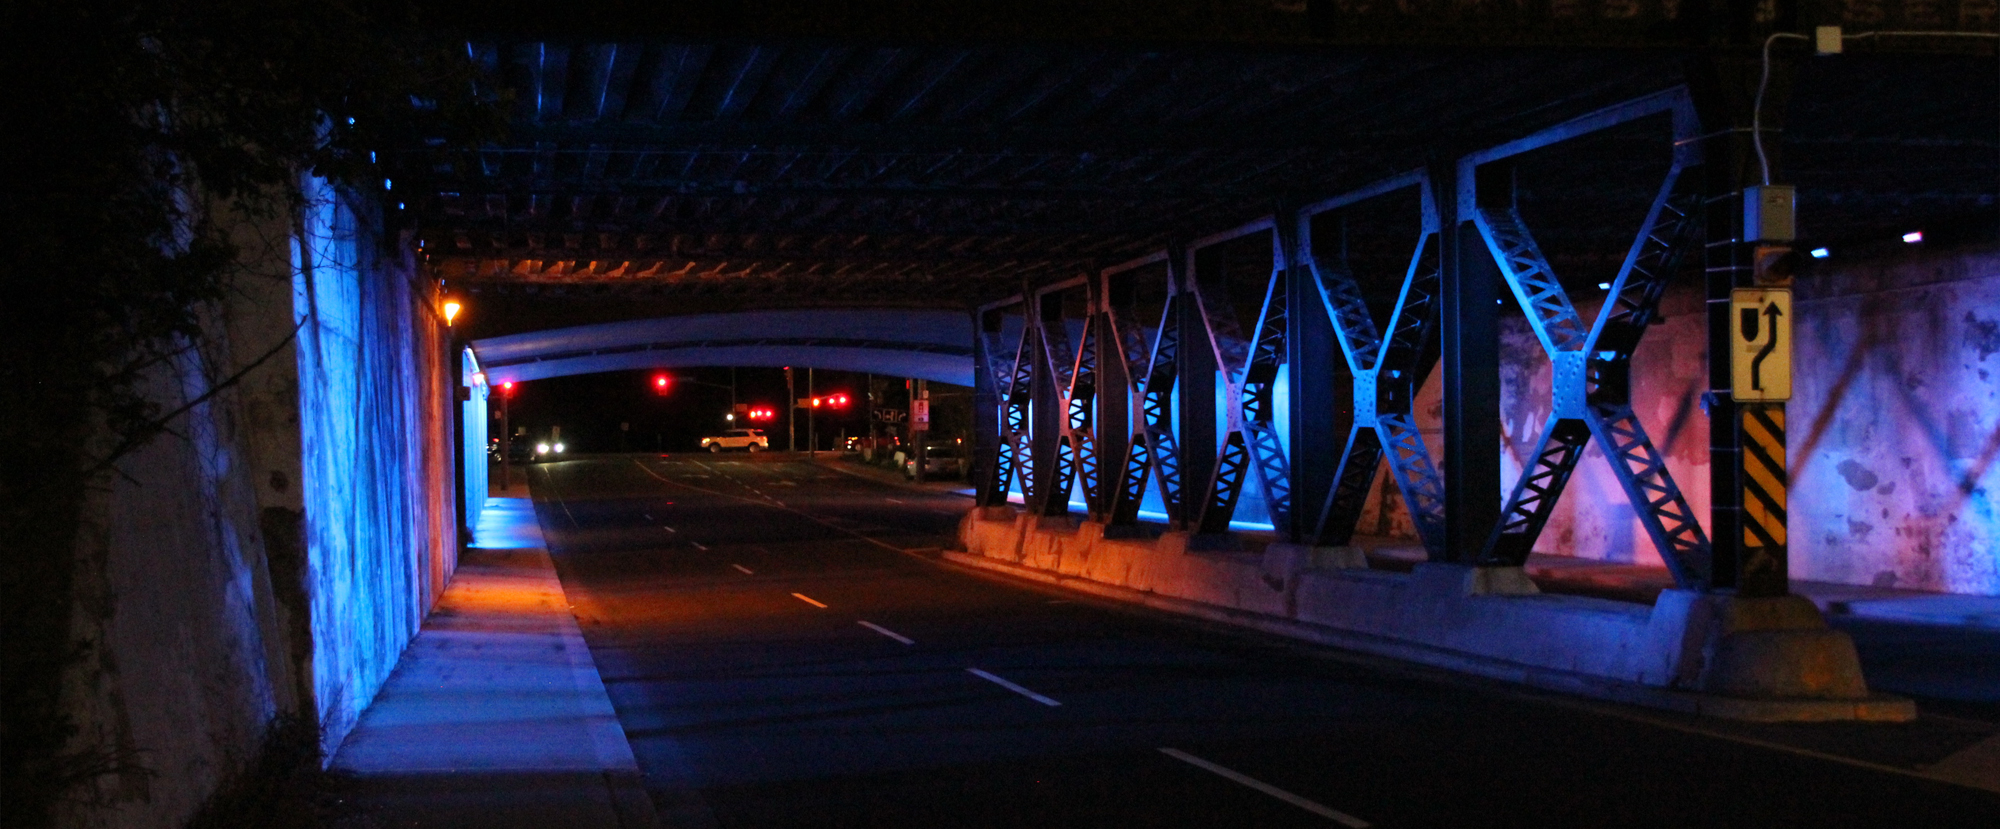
(379, 523)
(1893, 428)
(273, 553)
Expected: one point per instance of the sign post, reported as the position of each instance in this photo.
(1760, 373)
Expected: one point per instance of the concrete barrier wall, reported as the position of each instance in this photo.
(1763, 659)
(1893, 428)
(272, 554)
(379, 528)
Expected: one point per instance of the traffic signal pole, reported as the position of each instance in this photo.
(919, 431)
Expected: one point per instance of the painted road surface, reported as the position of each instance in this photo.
(790, 655)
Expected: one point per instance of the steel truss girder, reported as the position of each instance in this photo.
(1251, 451)
(1387, 376)
(1075, 372)
(999, 467)
(1151, 368)
(1592, 367)
(1015, 463)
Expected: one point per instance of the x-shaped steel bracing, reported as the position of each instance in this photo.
(1387, 376)
(1075, 373)
(1591, 386)
(1013, 379)
(1151, 356)
(1251, 447)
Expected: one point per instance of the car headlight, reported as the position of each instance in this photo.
(541, 448)
(559, 447)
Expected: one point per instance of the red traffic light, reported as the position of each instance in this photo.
(660, 383)
(507, 388)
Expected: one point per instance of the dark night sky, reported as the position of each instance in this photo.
(590, 407)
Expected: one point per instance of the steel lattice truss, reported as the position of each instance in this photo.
(1152, 360)
(1387, 375)
(1251, 452)
(1592, 363)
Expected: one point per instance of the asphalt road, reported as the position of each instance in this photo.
(782, 652)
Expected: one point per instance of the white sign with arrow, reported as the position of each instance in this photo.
(1760, 345)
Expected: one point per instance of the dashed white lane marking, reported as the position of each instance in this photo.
(779, 504)
(668, 529)
(649, 516)
(746, 570)
(889, 633)
(892, 500)
(1012, 687)
(808, 600)
(1316, 808)
(697, 545)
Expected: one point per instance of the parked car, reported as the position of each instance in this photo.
(748, 440)
(941, 460)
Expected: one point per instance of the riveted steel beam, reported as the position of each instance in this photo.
(1591, 362)
(1386, 373)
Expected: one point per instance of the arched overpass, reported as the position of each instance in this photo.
(926, 344)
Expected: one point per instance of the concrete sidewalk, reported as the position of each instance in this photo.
(495, 716)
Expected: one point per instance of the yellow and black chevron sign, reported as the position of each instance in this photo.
(1763, 485)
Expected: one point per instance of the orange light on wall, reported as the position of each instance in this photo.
(451, 309)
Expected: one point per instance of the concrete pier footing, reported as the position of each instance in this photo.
(1751, 659)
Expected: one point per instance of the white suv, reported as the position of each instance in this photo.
(749, 440)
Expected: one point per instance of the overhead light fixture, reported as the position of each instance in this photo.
(1821, 253)
(1913, 237)
(451, 309)
(1604, 286)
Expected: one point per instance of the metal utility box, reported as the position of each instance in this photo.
(1769, 213)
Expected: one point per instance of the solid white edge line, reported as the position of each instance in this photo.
(1012, 687)
(889, 633)
(697, 545)
(1316, 808)
(746, 570)
(808, 600)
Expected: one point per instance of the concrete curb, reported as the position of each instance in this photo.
(1876, 708)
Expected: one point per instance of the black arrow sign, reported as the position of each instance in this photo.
(1757, 364)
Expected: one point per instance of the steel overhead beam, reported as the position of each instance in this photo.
(927, 139)
(1133, 192)
(798, 258)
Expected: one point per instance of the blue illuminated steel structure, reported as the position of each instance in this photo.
(1250, 451)
(1592, 363)
(1015, 375)
(1070, 449)
(1063, 384)
(1386, 373)
(1152, 360)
